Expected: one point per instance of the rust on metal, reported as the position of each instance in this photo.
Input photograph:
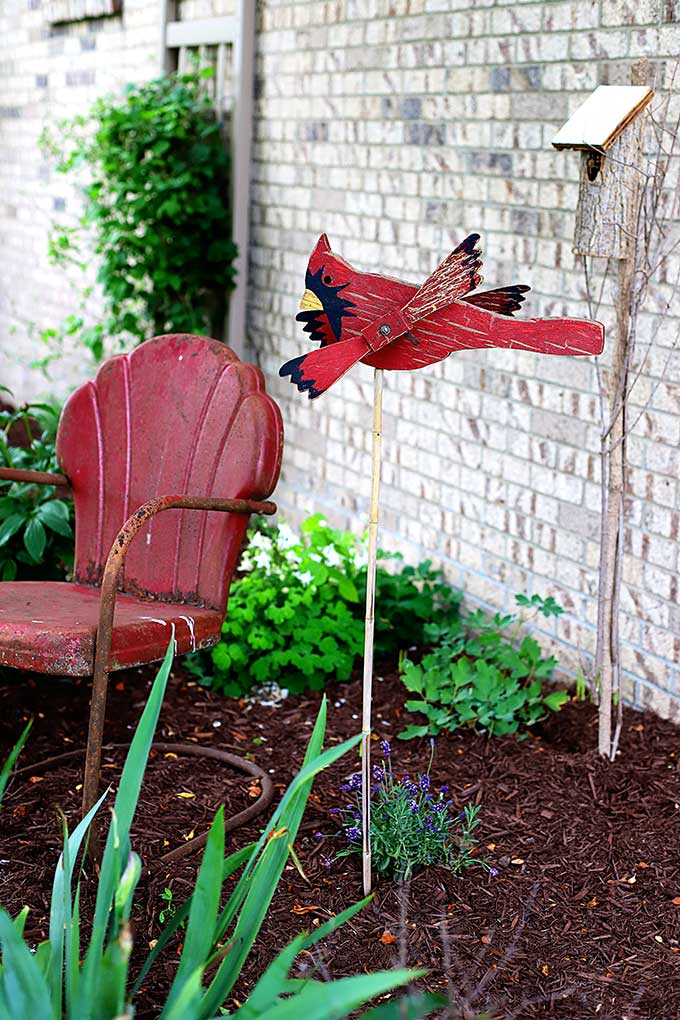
(36, 478)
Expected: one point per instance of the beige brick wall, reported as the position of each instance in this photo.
(48, 74)
(398, 126)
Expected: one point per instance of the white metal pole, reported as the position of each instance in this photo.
(369, 629)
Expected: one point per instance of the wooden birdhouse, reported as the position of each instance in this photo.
(607, 129)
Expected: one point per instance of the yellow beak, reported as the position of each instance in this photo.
(310, 302)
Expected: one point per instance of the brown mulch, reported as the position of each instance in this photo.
(579, 922)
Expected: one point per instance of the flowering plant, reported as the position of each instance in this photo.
(296, 613)
(412, 824)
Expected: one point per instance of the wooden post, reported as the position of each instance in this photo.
(241, 142)
(373, 515)
(607, 226)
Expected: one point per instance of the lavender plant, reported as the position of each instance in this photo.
(412, 824)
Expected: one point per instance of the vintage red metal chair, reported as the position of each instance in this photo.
(173, 445)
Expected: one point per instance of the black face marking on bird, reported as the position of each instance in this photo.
(322, 307)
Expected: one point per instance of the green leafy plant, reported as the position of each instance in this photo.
(156, 186)
(35, 527)
(412, 825)
(65, 979)
(10, 761)
(408, 599)
(167, 911)
(479, 675)
(296, 614)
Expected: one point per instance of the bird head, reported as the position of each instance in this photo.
(323, 306)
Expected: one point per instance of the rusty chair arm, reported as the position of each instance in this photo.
(109, 587)
(35, 478)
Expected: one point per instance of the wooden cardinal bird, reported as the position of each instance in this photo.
(387, 323)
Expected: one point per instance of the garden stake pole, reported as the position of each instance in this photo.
(373, 515)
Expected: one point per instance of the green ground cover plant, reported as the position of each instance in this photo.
(155, 176)
(36, 535)
(76, 975)
(295, 614)
(479, 673)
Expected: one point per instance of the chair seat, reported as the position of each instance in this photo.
(51, 626)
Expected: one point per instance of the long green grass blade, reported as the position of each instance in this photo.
(410, 1007)
(22, 983)
(334, 1000)
(314, 748)
(108, 999)
(20, 920)
(229, 866)
(261, 883)
(72, 954)
(60, 908)
(188, 1001)
(118, 839)
(273, 982)
(6, 769)
(205, 903)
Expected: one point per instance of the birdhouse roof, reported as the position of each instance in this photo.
(599, 121)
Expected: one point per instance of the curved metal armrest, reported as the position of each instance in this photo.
(34, 477)
(114, 563)
(138, 519)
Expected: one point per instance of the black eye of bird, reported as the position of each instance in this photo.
(327, 278)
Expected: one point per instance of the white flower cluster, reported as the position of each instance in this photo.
(265, 553)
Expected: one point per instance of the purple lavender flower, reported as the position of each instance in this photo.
(444, 788)
(413, 805)
(425, 783)
(335, 811)
(378, 773)
(385, 748)
(318, 835)
(353, 834)
(462, 815)
(355, 782)
(493, 872)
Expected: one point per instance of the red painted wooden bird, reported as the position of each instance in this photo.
(387, 323)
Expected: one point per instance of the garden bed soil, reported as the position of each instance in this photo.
(582, 919)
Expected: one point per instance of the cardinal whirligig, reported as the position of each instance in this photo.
(387, 323)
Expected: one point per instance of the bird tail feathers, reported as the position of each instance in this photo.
(549, 336)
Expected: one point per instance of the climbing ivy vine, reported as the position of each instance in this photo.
(155, 178)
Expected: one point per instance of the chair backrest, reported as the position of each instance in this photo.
(180, 415)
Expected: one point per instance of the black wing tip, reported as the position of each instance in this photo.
(468, 245)
(293, 368)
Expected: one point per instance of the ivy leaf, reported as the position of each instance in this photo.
(10, 526)
(35, 539)
(54, 515)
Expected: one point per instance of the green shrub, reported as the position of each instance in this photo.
(65, 978)
(477, 675)
(157, 206)
(296, 616)
(35, 528)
